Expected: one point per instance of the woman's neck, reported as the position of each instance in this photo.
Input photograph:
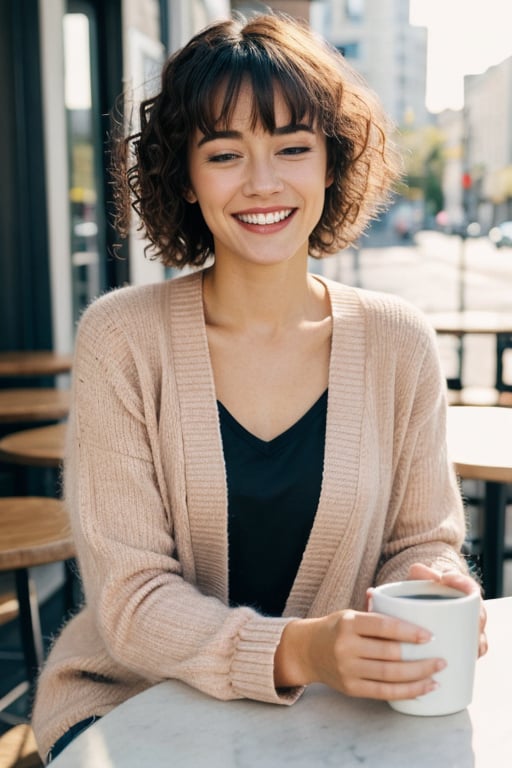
(264, 300)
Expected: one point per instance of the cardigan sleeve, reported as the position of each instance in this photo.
(152, 622)
(425, 520)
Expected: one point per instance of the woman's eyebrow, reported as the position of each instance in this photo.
(280, 131)
(293, 128)
(219, 135)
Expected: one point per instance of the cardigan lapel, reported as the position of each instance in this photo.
(204, 464)
(205, 475)
(334, 521)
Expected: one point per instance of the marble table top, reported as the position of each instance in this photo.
(174, 725)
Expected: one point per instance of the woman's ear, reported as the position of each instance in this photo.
(190, 195)
(329, 178)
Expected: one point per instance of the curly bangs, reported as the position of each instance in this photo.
(318, 87)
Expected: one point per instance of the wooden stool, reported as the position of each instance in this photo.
(31, 363)
(37, 456)
(39, 447)
(33, 531)
(33, 404)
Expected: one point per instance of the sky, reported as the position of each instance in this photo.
(464, 37)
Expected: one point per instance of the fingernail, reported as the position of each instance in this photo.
(433, 686)
(424, 636)
(441, 664)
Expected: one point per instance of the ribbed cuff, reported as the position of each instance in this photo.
(252, 670)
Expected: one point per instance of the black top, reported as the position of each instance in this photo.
(273, 492)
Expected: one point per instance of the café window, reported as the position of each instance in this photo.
(87, 235)
(350, 50)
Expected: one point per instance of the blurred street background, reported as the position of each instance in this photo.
(435, 271)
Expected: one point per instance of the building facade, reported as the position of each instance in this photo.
(451, 124)
(488, 144)
(377, 38)
(477, 178)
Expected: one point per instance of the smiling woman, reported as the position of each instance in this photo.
(251, 447)
(259, 182)
(200, 92)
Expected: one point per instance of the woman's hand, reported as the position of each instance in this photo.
(357, 653)
(458, 581)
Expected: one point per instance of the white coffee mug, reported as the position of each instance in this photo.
(452, 617)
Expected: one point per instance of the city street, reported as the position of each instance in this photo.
(437, 273)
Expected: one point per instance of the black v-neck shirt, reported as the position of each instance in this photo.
(273, 493)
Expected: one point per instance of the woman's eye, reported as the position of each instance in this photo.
(295, 150)
(222, 157)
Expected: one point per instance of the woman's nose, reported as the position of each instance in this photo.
(262, 178)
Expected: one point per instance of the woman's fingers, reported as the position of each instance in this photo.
(459, 581)
(372, 689)
(368, 657)
(453, 579)
(468, 585)
(419, 571)
(374, 651)
(388, 627)
(397, 671)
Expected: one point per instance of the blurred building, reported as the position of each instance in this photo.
(299, 9)
(477, 178)
(488, 144)
(64, 65)
(377, 38)
(451, 123)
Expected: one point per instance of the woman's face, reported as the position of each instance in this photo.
(261, 194)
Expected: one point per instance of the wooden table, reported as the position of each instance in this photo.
(33, 404)
(171, 724)
(34, 363)
(40, 447)
(480, 445)
(477, 322)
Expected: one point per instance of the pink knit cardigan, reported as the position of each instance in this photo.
(146, 490)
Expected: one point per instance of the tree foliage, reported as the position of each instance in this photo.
(422, 150)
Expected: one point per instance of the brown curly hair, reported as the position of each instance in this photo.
(269, 51)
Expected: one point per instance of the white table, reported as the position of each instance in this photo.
(175, 726)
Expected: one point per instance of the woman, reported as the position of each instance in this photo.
(251, 448)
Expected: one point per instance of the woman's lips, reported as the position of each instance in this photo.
(265, 221)
(270, 217)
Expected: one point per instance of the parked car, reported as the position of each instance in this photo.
(502, 234)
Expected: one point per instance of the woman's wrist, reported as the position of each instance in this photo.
(292, 660)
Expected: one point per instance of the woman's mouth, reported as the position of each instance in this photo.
(265, 219)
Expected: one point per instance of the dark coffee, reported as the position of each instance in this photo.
(429, 597)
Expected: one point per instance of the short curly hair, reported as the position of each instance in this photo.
(270, 51)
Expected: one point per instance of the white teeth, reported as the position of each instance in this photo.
(264, 218)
